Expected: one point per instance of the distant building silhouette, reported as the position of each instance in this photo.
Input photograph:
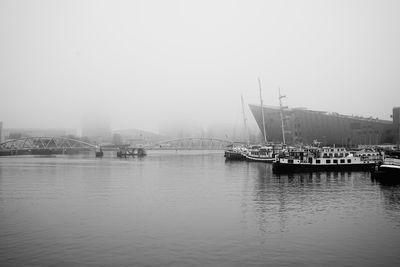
(97, 130)
(15, 133)
(304, 126)
(138, 136)
(181, 130)
(229, 131)
(396, 124)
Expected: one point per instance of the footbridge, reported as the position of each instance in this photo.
(62, 145)
(44, 145)
(190, 144)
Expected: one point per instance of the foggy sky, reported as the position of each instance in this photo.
(140, 64)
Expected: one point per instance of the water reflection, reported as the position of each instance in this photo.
(314, 178)
(386, 181)
(191, 209)
(269, 198)
(390, 191)
(282, 202)
(390, 195)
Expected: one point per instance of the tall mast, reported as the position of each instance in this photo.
(245, 121)
(281, 113)
(262, 112)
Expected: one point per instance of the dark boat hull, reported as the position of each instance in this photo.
(386, 173)
(233, 155)
(278, 167)
(259, 159)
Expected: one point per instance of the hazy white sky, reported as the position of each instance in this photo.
(142, 63)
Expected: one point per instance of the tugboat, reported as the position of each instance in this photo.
(389, 169)
(325, 159)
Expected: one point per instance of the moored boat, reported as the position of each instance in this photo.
(322, 159)
(235, 152)
(389, 168)
(262, 153)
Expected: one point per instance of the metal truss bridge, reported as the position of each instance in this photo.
(44, 145)
(190, 144)
(62, 145)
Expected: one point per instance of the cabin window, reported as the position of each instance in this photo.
(328, 161)
(349, 161)
(335, 161)
(318, 161)
(342, 161)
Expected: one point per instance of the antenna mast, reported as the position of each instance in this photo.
(245, 122)
(262, 112)
(281, 113)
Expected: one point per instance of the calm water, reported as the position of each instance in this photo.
(191, 209)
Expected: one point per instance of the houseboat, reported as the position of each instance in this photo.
(323, 159)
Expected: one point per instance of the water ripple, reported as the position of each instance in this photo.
(191, 209)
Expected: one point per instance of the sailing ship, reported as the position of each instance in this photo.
(268, 151)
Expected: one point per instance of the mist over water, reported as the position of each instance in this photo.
(144, 64)
(191, 208)
(137, 72)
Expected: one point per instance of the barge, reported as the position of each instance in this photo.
(324, 159)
